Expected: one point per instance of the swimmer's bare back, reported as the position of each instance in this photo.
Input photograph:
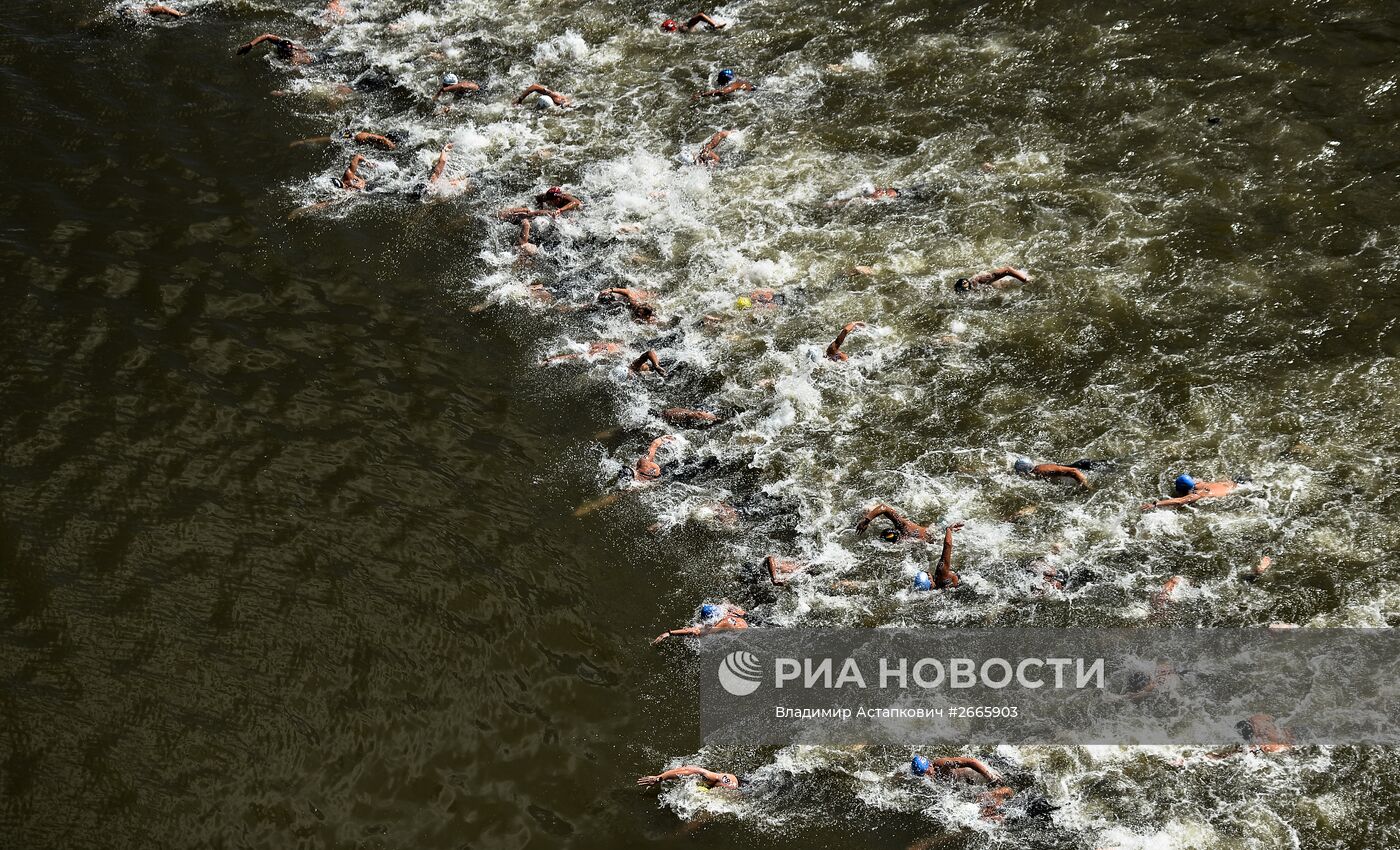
(688, 417)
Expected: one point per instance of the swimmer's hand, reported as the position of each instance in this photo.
(660, 638)
(648, 781)
(958, 526)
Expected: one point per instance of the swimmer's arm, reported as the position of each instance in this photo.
(1008, 271)
(441, 163)
(536, 88)
(682, 632)
(882, 510)
(267, 36)
(314, 140)
(945, 562)
(1174, 503)
(656, 446)
(571, 204)
(164, 10)
(771, 562)
(968, 761)
(834, 349)
(648, 362)
(1068, 471)
(375, 139)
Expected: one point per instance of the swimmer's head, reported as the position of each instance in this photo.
(922, 581)
(962, 285)
(920, 766)
(449, 79)
(1246, 730)
(553, 192)
(890, 535)
(543, 101)
(1184, 484)
(708, 611)
(725, 77)
(669, 25)
(1024, 465)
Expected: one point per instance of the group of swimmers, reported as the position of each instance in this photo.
(555, 202)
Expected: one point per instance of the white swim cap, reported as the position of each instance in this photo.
(449, 79)
(544, 102)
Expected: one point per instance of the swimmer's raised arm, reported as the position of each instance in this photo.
(441, 163)
(157, 9)
(701, 18)
(707, 155)
(945, 577)
(457, 88)
(833, 351)
(648, 362)
(989, 278)
(647, 467)
(351, 179)
(536, 88)
(364, 138)
(900, 521)
(276, 40)
(686, 416)
(969, 762)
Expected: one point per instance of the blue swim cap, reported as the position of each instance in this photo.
(449, 79)
(920, 765)
(725, 77)
(1184, 484)
(1024, 465)
(922, 581)
(708, 611)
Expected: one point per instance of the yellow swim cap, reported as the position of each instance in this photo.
(743, 302)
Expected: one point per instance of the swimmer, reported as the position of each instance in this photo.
(1055, 577)
(868, 196)
(1167, 594)
(595, 349)
(833, 351)
(648, 362)
(728, 83)
(686, 417)
(351, 181)
(555, 97)
(670, 25)
(780, 570)
(647, 467)
(157, 9)
(287, 50)
(903, 526)
(1025, 466)
(709, 777)
(1189, 490)
(989, 278)
(707, 155)
(767, 298)
(457, 88)
(943, 577)
(555, 201)
(638, 301)
(1261, 734)
(713, 618)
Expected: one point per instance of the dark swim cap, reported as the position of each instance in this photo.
(890, 535)
(962, 285)
(725, 77)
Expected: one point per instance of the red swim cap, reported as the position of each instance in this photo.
(554, 190)
(668, 25)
